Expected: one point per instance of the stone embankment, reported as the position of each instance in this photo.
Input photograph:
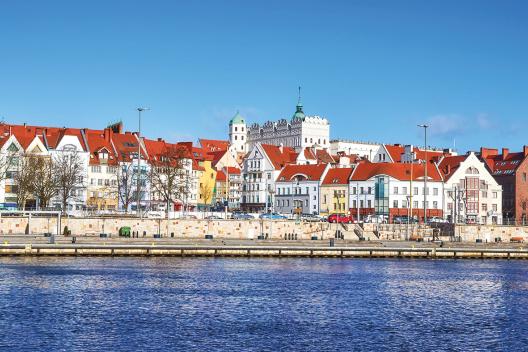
(255, 229)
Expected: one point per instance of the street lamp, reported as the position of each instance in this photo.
(424, 126)
(138, 196)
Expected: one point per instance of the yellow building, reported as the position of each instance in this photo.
(334, 191)
(206, 179)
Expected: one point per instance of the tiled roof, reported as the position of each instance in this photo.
(221, 176)
(279, 158)
(450, 164)
(338, 176)
(312, 172)
(214, 145)
(99, 141)
(504, 166)
(126, 145)
(232, 170)
(396, 150)
(399, 171)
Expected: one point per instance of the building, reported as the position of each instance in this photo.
(260, 169)
(472, 195)
(510, 171)
(365, 150)
(228, 187)
(238, 134)
(398, 153)
(334, 191)
(299, 132)
(297, 189)
(395, 189)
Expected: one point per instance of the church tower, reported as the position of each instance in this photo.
(238, 134)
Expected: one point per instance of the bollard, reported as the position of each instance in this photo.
(172, 234)
(332, 242)
(74, 239)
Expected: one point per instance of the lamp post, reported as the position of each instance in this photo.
(424, 126)
(138, 174)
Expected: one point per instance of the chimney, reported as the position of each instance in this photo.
(525, 150)
(108, 134)
(487, 152)
(505, 152)
(160, 139)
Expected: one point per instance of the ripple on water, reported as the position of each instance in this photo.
(120, 304)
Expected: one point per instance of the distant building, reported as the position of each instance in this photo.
(300, 132)
(366, 150)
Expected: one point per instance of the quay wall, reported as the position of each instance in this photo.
(250, 229)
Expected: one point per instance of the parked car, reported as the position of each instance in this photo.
(272, 216)
(404, 220)
(436, 220)
(376, 219)
(311, 218)
(213, 217)
(340, 218)
(242, 216)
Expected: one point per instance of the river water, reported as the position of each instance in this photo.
(251, 304)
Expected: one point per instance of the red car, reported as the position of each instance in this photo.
(340, 218)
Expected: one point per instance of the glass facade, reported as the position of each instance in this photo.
(381, 200)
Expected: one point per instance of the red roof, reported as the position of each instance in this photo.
(99, 142)
(450, 164)
(279, 157)
(504, 164)
(395, 151)
(214, 145)
(232, 170)
(221, 176)
(338, 176)
(126, 145)
(312, 172)
(400, 171)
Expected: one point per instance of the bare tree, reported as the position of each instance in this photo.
(45, 185)
(125, 184)
(24, 178)
(68, 169)
(168, 175)
(207, 193)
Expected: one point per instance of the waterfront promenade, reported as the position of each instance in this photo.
(23, 245)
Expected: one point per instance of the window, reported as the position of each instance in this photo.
(370, 191)
(484, 207)
(99, 182)
(494, 194)
(395, 191)
(415, 204)
(324, 199)
(435, 204)
(395, 204)
(404, 190)
(435, 191)
(96, 168)
(524, 176)
(404, 203)
(306, 202)
(449, 206)
(494, 207)
(353, 190)
(361, 190)
(354, 204)
(415, 191)
(484, 194)
(369, 203)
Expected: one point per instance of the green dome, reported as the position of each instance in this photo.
(299, 113)
(237, 119)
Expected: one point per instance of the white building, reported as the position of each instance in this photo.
(238, 134)
(300, 132)
(260, 170)
(395, 189)
(471, 193)
(298, 189)
(366, 150)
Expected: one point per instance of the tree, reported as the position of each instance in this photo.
(169, 175)
(45, 179)
(207, 193)
(24, 178)
(125, 187)
(69, 170)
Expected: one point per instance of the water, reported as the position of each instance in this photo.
(208, 304)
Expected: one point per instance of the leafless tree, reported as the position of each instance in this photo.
(125, 184)
(68, 170)
(24, 179)
(169, 173)
(45, 180)
(207, 193)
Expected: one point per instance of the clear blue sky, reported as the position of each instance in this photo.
(374, 68)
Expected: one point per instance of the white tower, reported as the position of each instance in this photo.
(238, 134)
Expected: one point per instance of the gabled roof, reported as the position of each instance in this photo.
(338, 176)
(126, 145)
(99, 141)
(312, 172)
(279, 157)
(232, 170)
(449, 164)
(505, 164)
(400, 171)
(216, 156)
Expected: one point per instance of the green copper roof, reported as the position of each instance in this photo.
(237, 119)
(299, 112)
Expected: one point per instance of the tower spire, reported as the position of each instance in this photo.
(299, 113)
(299, 99)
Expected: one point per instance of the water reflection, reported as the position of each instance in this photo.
(124, 304)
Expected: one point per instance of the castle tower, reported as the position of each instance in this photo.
(238, 134)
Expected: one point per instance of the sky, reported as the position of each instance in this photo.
(375, 69)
